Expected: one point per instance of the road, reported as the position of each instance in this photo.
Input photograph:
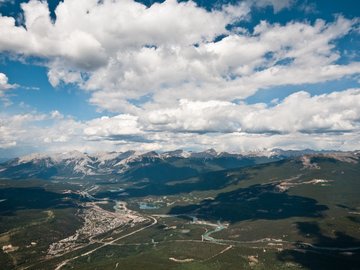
(62, 264)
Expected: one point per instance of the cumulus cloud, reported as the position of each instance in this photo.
(173, 71)
(34, 131)
(328, 121)
(124, 124)
(299, 112)
(5, 85)
(13, 128)
(56, 115)
(123, 50)
(235, 67)
(88, 34)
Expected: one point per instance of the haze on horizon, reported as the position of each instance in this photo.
(236, 76)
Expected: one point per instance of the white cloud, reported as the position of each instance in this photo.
(235, 67)
(56, 115)
(13, 128)
(328, 121)
(29, 132)
(169, 58)
(299, 112)
(124, 124)
(87, 34)
(122, 50)
(4, 84)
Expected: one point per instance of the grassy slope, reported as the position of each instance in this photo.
(248, 199)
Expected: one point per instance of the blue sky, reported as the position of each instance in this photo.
(37, 93)
(232, 75)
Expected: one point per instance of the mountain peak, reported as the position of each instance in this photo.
(78, 164)
(211, 151)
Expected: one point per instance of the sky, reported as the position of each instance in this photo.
(236, 76)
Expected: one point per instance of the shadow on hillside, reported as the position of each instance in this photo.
(209, 181)
(354, 219)
(22, 171)
(254, 202)
(347, 257)
(13, 199)
(159, 173)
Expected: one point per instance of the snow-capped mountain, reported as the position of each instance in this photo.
(127, 164)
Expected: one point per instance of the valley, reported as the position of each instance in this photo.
(298, 212)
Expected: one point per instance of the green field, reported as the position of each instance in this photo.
(280, 215)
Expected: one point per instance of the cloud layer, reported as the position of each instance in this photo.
(299, 121)
(176, 75)
(122, 50)
(5, 85)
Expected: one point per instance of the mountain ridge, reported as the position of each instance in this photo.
(81, 164)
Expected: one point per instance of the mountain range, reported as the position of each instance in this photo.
(174, 164)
